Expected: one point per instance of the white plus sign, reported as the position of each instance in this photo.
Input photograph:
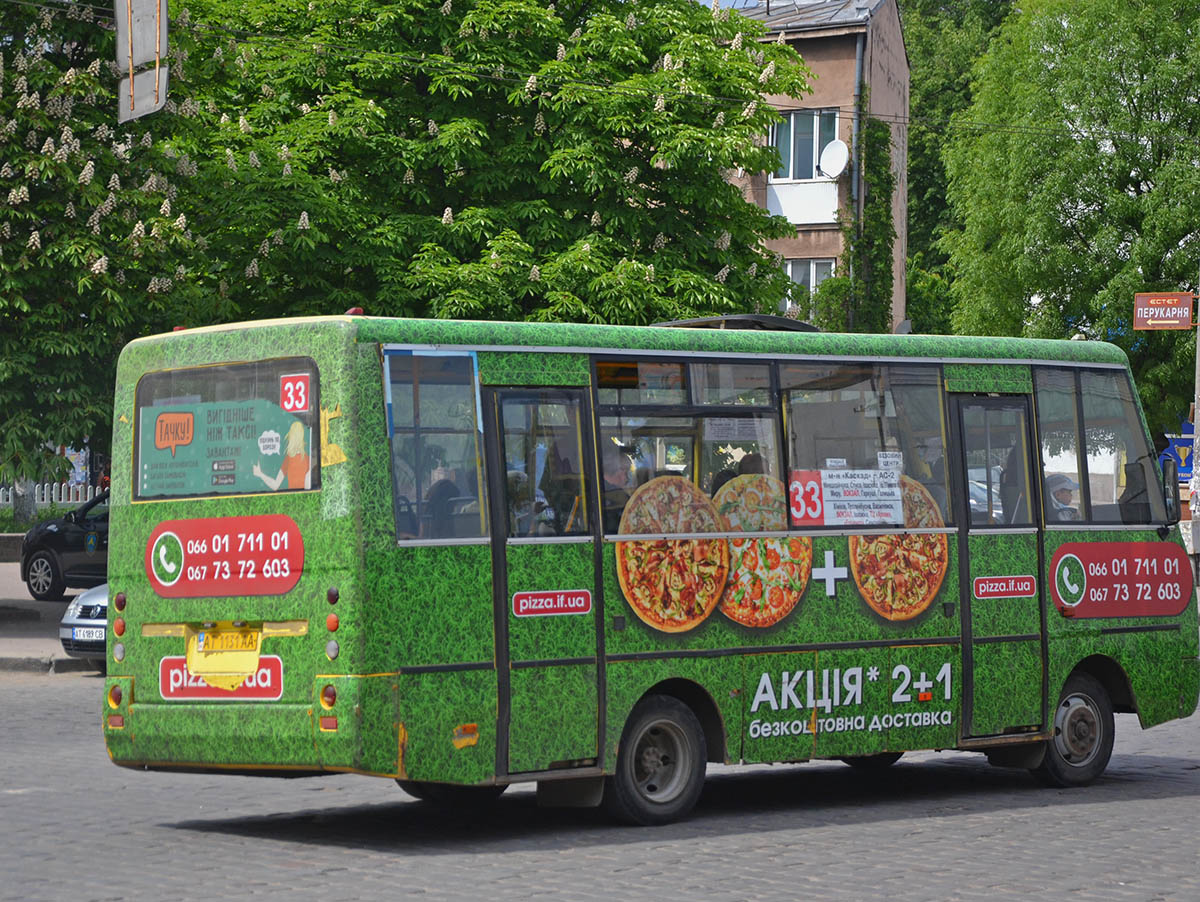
(829, 574)
(922, 682)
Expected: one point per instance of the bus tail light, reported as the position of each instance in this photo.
(119, 626)
(328, 724)
(328, 697)
(331, 623)
(114, 696)
(119, 601)
(332, 595)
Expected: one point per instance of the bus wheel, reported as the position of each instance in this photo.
(1083, 734)
(451, 794)
(660, 763)
(873, 762)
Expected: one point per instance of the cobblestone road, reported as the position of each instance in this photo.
(934, 827)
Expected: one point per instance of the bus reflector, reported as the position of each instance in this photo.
(328, 696)
(116, 721)
(331, 623)
(328, 724)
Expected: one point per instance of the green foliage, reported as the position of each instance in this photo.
(928, 297)
(943, 41)
(831, 304)
(88, 243)
(506, 159)
(1091, 191)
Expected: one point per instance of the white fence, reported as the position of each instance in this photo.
(52, 493)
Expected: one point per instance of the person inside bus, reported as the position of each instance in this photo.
(1059, 489)
(436, 522)
(751, 463)
(721, 478)
(614, 468)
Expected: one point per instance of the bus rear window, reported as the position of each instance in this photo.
(233, 429)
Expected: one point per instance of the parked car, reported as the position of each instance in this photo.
(70, 551)
(82, 627)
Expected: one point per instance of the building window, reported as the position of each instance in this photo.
(808, 272)
(800, 138)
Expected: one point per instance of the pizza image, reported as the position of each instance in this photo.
(671, 584)
(899, 574)
(766, 579)
(752, 502)
(766, 576)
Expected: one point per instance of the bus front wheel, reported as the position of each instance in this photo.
(660, 763)
(1082, 743)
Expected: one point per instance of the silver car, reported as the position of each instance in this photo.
(81, 630)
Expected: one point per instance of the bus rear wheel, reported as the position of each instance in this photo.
(1082, 743)
(452, 794)
(660, 763)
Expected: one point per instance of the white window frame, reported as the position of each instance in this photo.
(790, 266)
(788, 160)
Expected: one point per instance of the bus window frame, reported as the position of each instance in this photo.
(387, 351)
(314, 458)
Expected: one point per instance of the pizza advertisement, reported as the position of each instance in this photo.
(898, 575)
(673, 585)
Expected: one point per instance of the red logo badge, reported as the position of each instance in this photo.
(550, 604)
(176, 682)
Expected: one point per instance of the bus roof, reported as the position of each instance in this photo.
(601, 337)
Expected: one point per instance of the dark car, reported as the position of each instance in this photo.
(81, 630)
(71, 551)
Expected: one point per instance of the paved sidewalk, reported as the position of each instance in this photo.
(29, 629)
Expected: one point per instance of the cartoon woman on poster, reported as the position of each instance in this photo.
(295, 467)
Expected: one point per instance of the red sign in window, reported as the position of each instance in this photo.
(293, 393)
(1120, 579)
(222, 556)
(175, 681)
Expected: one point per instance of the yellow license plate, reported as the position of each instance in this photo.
(217, 640)
(222, 649)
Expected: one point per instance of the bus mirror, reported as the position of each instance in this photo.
(1170, 477)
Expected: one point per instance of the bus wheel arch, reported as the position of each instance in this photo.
(703, 706)
(1111, 675)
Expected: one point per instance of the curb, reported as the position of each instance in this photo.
(51, 664)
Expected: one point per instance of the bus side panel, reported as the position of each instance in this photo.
(1159, 655)
(720, 677)
(448, 726)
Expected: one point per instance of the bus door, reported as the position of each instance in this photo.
(544, 562)
(1003, 622)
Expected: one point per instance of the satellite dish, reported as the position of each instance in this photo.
(834, 158)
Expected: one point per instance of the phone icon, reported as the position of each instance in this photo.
(1066, 575)
(170, 567)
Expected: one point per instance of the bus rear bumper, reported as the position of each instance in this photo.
(245, 736)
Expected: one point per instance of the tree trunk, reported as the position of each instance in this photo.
(24, 506)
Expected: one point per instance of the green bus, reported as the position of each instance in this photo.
(468, 554)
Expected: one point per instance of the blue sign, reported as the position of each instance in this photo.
(91, 542)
